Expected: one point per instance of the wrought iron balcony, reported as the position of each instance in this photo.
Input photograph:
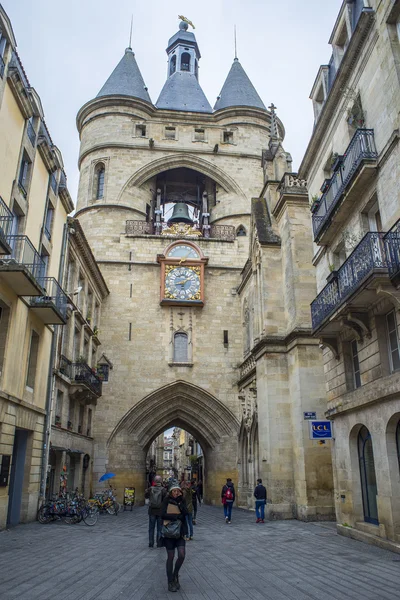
(81, 374)
(51, 308)
(6, 219)
(369, 258)
(22, 268)
(361, 150)
(31, 133)
(392, 243)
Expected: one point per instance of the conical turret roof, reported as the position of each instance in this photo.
(182, 91)
(238, 90)
(126, 80)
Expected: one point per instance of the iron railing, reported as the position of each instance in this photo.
(53, 293)
(362, 147)
(225, 232)
(392, 244)
(24, 253)
(31, 133)
(370, 254)
(82, 373)
(2, 66)
(6, 219)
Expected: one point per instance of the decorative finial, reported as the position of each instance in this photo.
(274, 132)
(130, 35)
(236, 58)
(185, 20)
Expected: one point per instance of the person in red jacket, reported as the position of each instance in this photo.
(228, 498)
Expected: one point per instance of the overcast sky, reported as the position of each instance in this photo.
(70, 48)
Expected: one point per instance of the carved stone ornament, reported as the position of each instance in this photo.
(182, 230)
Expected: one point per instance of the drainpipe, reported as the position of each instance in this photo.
(51, 381)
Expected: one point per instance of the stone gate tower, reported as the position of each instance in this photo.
(176, 200)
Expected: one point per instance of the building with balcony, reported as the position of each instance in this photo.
(352, 165)
(81, 370)
(34, 204)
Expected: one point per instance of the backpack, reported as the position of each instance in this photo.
(229, 494)
(156, 496)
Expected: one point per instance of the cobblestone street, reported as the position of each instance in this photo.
(275, 561)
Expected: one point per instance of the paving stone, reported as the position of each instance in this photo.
(285, 560)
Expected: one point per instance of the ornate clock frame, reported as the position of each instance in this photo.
(166, 262)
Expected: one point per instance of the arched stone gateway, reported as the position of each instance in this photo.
(184, 405)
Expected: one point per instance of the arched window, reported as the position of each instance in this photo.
(100, 173)
(185, 61)
(240, 231)
(172, 65)
(368, 476)
(180, 347)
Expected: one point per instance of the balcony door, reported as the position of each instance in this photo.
(368, 476)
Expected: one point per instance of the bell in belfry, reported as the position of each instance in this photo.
(180, 214)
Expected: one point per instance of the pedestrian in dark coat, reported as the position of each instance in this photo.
(174, 509)
(228, 498)
(155, 494)
(260, 494)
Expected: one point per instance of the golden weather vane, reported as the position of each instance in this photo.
(185, 20)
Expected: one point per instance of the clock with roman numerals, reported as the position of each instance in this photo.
(182, 275)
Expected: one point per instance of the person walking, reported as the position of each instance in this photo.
(188, 497)
(200, 491)
(174, 510)
(155, 494)
(194, 500)
(260, 494)
(228, 498)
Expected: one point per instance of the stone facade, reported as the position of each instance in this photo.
(251, 366)
(354, 155)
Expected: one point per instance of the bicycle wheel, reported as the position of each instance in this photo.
(90, 514)
(113, 509)
(43, 515)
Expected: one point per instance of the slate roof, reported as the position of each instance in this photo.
(126, 80)
(184, 36)
(182, 91)
(238, 90)
(263, 224)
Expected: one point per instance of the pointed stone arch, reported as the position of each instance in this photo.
(184, 405)
(180, 402)
(166, 163)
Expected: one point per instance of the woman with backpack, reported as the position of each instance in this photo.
(155, 494)
(228, 498)
(174, 531)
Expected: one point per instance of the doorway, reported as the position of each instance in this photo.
(17, 477)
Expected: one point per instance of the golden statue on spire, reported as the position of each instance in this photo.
(185, 20)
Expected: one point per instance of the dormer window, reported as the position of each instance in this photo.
(172, 65)
(185, 61)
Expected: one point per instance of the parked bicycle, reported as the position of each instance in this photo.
(71, 511)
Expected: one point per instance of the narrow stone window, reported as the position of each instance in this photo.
(393, 341)
(32, 362)
(140, 130)
(172, 65)
(180, 347)
(170, 133)
(24, 174)
(356, 364)
(185, 61)
(59, 408)
(100, 172)
(241, 231)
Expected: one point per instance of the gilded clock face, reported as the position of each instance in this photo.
(183, 251)
(182, 283)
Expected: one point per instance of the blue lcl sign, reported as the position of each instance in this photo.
(321, 430)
